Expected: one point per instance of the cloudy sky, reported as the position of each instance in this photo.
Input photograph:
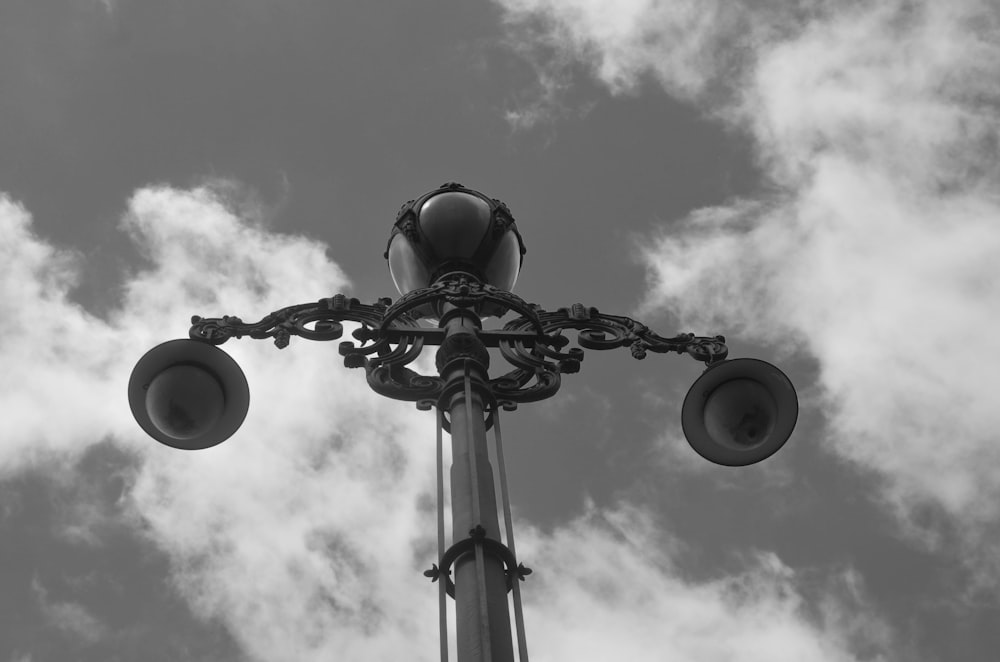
(818, 181)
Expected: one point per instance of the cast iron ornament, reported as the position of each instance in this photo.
(391, 337)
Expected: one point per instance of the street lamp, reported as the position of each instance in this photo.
(454, 255)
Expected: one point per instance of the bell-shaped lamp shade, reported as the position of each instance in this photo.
(739, 412)
(454, 229)
(188, 394)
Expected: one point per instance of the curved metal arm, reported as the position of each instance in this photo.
(396, 342)
(324, 316)
(539, 368)
(391, 337)
(599, 330)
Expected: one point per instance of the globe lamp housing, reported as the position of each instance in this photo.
(188, 394)
(454, 230)
(739, 412)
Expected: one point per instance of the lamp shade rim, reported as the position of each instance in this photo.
(771, 378)
(200, 354)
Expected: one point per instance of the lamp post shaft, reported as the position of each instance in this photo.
(470, 594)
(482, 619)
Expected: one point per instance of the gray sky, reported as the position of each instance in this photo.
(816, 181)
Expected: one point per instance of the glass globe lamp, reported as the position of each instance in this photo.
(454, 230)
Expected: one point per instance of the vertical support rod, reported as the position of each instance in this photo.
(482, 618)
(522, 642)
(442, 591)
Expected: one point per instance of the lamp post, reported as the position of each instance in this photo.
(454, 255)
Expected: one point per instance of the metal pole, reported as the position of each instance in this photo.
(442, 590)
(482, 619)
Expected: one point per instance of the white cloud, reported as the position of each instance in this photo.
(691, 48)
(59, 361)
(311, 506)
(873, 246)
(616, 592)
(623, 41)
(307, 532)
(315, 498)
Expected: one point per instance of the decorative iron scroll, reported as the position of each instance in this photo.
(387, 345)
(324, 316)
(539, 368)
(391, 337)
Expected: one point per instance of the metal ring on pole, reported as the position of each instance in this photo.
(477, 536)
(446, 422)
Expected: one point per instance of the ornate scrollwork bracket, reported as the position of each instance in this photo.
(538, 368)
(391, 336)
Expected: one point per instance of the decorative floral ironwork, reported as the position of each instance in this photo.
(391, 337)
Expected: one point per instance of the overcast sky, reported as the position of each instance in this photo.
(816, 180)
